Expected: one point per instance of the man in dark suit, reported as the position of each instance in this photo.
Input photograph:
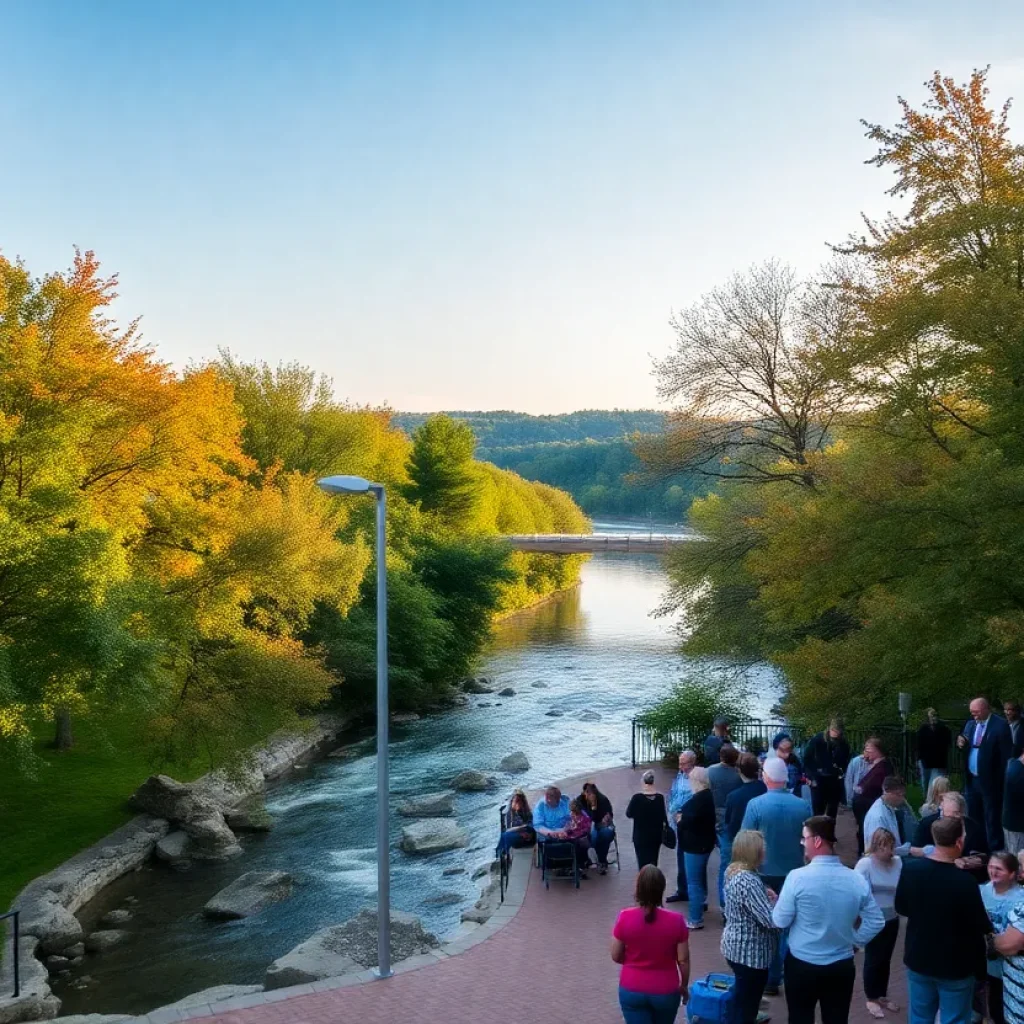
(988, 745)
(1011, 709)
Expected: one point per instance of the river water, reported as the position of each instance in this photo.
(594, 648)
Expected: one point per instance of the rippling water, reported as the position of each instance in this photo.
(596, 648)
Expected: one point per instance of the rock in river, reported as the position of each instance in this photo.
(590, 716)
(100, 942)
(115, 918)
(173, 848)
(554, 713)
(507, 692)
(476, 686)
(348, 947)
(249, 894)
(515, 762)
(430, 805)
(434, 835)
(472, 782)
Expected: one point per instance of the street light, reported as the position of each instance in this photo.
(357, 485)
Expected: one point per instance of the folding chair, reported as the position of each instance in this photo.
(558, 853)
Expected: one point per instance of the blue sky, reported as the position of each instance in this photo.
(447, 204)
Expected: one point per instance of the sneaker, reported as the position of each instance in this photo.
(676, 897)
(694, 926)
(602, 869)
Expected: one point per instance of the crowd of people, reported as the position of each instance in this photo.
(794, 915)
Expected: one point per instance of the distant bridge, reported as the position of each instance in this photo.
(589, 543)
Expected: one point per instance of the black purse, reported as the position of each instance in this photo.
(668, 834)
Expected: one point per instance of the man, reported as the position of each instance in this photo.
(779, 817)
(944, 947)
(736, 802)
(1013, 805)
(723, 778)
(975, 846)
(989, 746)
(825, 762)
(828, 909)
(891, 812)
(551, 815)
(1011, 709)
(714, 743)
(933, 742)
(678, 795)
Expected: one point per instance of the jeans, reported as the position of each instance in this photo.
(926, 775)
(697, 884)
(878, 961)
(724, 856)
(641, 1008)
(831, 985)
(774, 882)
(601, 840)
(681, 886)
(514, 839)
(750, 983)
(929, 996)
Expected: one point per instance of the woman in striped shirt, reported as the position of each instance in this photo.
(750, 939)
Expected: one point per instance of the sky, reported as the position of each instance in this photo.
(455, 204)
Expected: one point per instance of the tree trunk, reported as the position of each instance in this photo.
(63, 740)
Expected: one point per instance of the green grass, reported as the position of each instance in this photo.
(75, 798)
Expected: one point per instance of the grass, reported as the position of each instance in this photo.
(75, 798)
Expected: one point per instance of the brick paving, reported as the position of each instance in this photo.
(551, 959)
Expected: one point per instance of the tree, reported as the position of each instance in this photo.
(444, 479)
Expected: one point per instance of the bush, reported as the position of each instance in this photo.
(686, 715)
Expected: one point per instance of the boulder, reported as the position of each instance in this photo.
(539, 685)
(249, 894)
(481, 870)
(348, 947)
(507, 692)
(515, 762)
(554, 713)
(212, 840)
(100, 942)
(57, 964)
(589, 716)
(199, 816)
(173, 848)
(77, 950)
(472, 782)
(485, 906)
(211, 996)
(453, 871)
(476, 686)
(435, 835)
(430, 805)
(251, 818)
(115, 918)
(48, 920)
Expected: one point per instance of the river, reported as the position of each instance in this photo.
(594, 648)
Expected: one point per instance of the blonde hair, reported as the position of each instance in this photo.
(881, 838)
(699, 780)
(937, 789)
(747, 852)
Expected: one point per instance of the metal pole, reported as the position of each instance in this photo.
(383, 841)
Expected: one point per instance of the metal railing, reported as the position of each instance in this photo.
(754, 734)
(16, 966)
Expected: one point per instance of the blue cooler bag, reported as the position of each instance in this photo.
(711, 1000)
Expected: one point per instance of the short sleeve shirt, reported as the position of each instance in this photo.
(650, 964)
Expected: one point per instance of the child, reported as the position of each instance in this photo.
(577, 831)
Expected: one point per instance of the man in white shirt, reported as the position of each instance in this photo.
(828, 909)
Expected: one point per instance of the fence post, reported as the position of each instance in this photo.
(633, 744)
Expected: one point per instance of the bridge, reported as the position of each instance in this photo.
(591, 543)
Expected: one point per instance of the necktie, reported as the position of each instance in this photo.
(979, 733)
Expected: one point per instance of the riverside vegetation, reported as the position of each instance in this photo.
(174, 587)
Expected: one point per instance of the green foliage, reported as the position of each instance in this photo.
(692, 707)
(444, 480)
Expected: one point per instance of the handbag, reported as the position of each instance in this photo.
(668, 835)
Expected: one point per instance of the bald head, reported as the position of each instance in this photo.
(687, 761)
(980, 709)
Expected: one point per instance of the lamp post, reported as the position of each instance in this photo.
(357, 485)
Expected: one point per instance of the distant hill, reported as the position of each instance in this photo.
(586, 453)
(502, 429)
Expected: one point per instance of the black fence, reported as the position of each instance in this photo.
(16, 967)
(755, 734)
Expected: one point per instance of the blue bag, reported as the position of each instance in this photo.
(711, 1000)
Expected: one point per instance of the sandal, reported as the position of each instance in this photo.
(888, 1004)
(875, 1010)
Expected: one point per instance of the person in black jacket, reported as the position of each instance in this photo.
(825, 761)
(650, 819)
(933, 742)
(696, 830)
(975, 845)
(1013, 805)
(599, 808)
(987, 744)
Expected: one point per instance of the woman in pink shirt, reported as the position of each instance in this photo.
(651, 944)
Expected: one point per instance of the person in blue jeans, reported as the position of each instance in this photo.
(697, 838)
(677, 797)
(779, 816)
(599, 809)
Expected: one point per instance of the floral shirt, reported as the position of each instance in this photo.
(578, 826)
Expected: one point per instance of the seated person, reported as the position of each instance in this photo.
(976, 849)
(551, 815)
(577, 832)
(518, 824)
(599, 808)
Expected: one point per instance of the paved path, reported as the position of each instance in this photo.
(553, 953)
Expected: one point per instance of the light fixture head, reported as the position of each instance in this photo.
(344, 485)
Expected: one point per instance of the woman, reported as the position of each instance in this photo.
(518, 824)
(650, 819)
(869, 789)
(937, 789)
(1000, 895)
(750, 940)
(881, 869)
(651, 944)
(783, 747)
(696, 831)
(602, 831)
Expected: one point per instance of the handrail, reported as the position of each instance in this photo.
(16, 914)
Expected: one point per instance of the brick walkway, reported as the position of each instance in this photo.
(553, 953)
